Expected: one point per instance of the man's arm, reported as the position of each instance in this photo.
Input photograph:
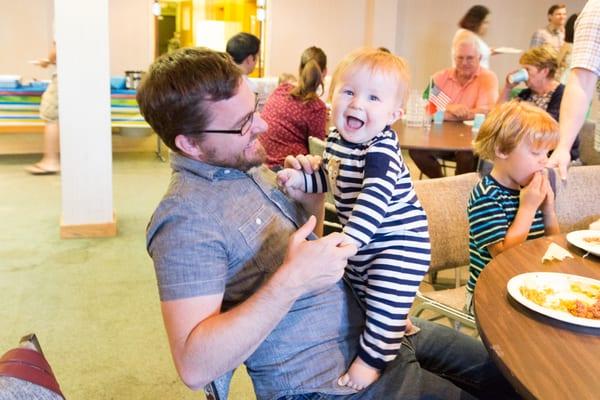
(206, 343)
(488, 93)
(574, 105)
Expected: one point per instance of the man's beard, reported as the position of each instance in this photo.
(241, 162)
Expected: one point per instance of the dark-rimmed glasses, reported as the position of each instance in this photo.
(245, 127)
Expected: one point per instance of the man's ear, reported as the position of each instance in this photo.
(188, 146)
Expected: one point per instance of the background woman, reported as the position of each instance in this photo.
(543, 88)
(295, 112)
(476, 21)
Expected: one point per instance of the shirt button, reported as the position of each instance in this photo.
(258, 221)
(226, 171)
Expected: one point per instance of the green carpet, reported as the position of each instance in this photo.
(93, 303)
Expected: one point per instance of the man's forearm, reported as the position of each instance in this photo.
(224, 341)
(574, 105)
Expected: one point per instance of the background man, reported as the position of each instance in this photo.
(554, 33)
(471, 90)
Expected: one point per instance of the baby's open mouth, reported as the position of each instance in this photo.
(354, 123)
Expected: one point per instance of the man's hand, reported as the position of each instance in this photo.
(535, 192)
(315, 264)
(308, 163)
(460, 111)
(560, 158)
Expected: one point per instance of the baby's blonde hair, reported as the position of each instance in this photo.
(376, 61)
(510, 123)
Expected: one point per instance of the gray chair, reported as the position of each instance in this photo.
(577, 203)
(445, 202)
(331, 223)
(219, 388)
(587, 152)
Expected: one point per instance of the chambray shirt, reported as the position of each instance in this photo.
(221, 230)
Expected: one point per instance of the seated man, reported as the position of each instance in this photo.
(471, 90)
(241, 276)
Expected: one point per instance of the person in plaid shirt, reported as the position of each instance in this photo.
(585, 68)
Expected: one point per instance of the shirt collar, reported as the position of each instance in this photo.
(475, 75)
(555, 31)
(210, 172)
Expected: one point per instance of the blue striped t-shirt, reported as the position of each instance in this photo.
(492, 209)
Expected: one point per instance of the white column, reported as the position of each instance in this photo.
(81, 32)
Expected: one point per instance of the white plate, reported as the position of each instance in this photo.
(507, 50)
(557, 281)
(576, 239)
(468, 122)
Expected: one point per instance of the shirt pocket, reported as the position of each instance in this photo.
(259, 232)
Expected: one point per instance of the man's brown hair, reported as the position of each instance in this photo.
(174, 95)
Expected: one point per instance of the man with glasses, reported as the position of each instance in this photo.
(471, 90)
(242, 278)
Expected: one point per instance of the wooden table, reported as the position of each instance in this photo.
(449, 136)
(542, 357)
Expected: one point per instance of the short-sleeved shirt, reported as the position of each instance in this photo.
(291, 122)
(221, 230)
(492, 209)
(548, 36)
(586, 46)
(481, 91)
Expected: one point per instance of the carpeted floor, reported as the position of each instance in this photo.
(93, 303)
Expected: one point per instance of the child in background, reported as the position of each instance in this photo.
(375, 202)
(515, 201)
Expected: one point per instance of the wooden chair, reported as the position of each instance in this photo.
(445, 202)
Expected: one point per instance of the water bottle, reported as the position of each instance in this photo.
(414, 109)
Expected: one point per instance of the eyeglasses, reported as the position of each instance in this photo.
(245, 127)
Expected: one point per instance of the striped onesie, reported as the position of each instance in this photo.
(378, 208)
(492, 209)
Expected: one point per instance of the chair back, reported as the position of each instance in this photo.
(587, 150)
(445, 203)
(578, 199)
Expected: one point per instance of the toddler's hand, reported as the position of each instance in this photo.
(359, 375)
(290, 179)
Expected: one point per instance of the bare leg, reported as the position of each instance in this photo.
(50, 161)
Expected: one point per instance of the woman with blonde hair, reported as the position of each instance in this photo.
(543, 88)
(296, 112)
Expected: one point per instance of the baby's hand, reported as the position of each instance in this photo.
(535, 192)
(289, 178)
(359, 375)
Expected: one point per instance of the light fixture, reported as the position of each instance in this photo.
(260, 3)
(156, 9)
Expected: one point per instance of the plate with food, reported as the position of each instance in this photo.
(587, 240)
(568, 298)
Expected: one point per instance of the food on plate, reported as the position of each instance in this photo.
(576, 298)
(592, 240)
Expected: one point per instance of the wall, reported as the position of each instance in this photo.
(26, 33)
(337, 26)
(425, 30)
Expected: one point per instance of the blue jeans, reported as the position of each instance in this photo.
(436, 363)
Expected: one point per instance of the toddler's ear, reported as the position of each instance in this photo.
(396, 115)
(500, 154)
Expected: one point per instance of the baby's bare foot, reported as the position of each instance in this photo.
(359, 375)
